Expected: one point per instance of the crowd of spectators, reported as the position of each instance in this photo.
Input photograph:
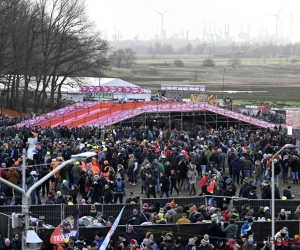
(7, 121)
(268, 116)
(228, 162)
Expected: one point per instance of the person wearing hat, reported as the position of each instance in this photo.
(130, 234)
(12, 175)
(135, 218)
(148, 244)
(177, 215)
(177, 245)
(51, 199)
(205, 244)
(168, 239)
(59, 198)
(230, 185)
(220, 245)
(99, 239)
(93, 212)
(245, 189)
(282, 215)
(246, 227)
(191, 245)
(266, 192)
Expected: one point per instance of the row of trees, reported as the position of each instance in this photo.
(249, 50)
(122, 58)
(42, 43)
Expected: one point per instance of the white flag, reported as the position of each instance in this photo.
(111, 231)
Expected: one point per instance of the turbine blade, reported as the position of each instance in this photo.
(157, 12)
(280, 10)
(167, 10)
(271, 15)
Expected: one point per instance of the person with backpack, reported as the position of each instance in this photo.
(15, 154)
(118, 189)
(32, 179)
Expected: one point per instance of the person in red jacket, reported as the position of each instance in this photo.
(203, 182)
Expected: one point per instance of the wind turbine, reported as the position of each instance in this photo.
(162, 21)
(277, 19)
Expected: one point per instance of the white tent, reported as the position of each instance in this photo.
(107, 82)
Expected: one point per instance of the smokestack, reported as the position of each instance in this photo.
(291, 25)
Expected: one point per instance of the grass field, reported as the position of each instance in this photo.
(276, 79)
(266, 102)
(146, 58)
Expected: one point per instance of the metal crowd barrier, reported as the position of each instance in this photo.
(50, 214)
(54, 214)
(181, 201)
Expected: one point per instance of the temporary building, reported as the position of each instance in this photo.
(114, 88)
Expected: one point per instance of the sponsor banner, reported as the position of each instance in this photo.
(113, 89)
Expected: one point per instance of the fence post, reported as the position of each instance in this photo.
(8, 227)
(62, 212)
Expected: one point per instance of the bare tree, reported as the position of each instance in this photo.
(129, 57)
(189, 48)
(69, 45)
(117, 58)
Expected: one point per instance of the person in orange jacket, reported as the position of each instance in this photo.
(57, 174)
(106, 170)
(96, 165)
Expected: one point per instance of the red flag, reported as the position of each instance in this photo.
(67, 230)
(57, 237)
(211, 187)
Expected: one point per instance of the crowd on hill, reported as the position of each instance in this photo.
(268, 116)
(159, 160)
(7, 121)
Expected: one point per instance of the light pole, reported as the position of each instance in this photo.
(223, 83)
(26, 195)
(273, 189)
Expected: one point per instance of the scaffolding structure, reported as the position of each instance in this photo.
(175, 93)
(186, 121)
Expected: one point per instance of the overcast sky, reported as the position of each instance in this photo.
(135, 17)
